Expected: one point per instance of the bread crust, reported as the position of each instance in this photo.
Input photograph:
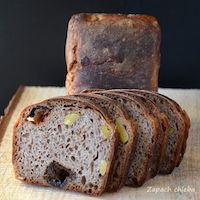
(69, 100)
(109, 60)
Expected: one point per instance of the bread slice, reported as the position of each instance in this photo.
(176, 133)
(187, 127)
(127, 137)
(146, 135)
(163, 129)
(66, 143)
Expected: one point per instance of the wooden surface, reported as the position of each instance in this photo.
(183, 183)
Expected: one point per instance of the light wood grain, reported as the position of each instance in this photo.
(187, 176)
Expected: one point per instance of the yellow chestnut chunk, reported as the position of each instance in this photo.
(105, 130)
(171, 130)
(122, 131)
(71, 118)
(103, 167)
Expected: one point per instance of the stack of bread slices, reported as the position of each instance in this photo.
(99, 140)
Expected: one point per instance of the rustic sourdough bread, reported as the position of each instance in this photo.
(66, 143)
(126, 129)
(145, 141)
(176, 133)
(163, 129)
(112, 51)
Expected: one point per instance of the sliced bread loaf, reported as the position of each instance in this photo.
(176, 132)
(126, 129)
(66, 143)
(163, 129)
(146, 135)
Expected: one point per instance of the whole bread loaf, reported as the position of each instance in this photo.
(112, 51)
(65, 143)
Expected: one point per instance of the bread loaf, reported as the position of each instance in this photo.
(112, 51)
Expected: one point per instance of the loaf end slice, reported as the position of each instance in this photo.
(60, 142)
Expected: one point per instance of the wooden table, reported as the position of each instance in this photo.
(183, 183)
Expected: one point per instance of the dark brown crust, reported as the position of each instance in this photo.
(183, 149)
(129, 146)
(116, 61)
(9, 111)
(84, 103)
(154, 127)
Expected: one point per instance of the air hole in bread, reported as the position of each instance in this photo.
(73, 158)
(91, 120)
(90, 185)
(96, 156)
(177, 127)
(83, 137)
(70, 149)
(59, 128)
(163, 127)
(83, 180)
(68, 140)
(67, 146)
(25, 135)
(95, 187)
(138, 105)
(92, 166)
